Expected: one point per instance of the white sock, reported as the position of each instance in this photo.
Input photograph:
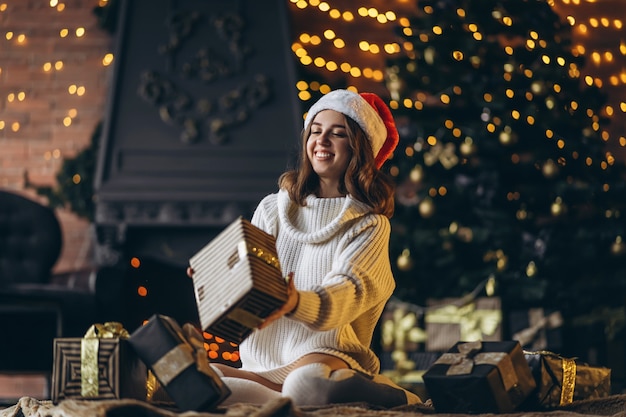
(317, 384)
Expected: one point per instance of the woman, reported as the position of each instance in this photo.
(330, 218)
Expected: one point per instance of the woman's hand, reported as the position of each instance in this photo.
(290, 305)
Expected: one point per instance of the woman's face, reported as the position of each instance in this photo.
(328, 147)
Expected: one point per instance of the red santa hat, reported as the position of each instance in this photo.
(370, 112)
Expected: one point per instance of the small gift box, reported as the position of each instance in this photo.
(561, 381)
(402, 332)
(449, 320)
(480, 377)
(537, 329)
(177, 358)
(237, 281)
(101, 365)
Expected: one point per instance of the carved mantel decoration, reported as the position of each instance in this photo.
(202, 117)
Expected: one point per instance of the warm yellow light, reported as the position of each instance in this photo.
(15, 126)
(72, 113)
(47, 66)
(348, 16)
(8, 36)
(329, 34)
(80, 91)
(67, 121)
(63, 33)
(58, 65)
(107, 60)
(339, 43)
(80, 32)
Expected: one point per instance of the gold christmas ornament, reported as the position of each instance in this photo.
(558, 208)
(468, 147)
(417, 174)
(427, 208)
(550, 169)
(618, 247)
(404, 262)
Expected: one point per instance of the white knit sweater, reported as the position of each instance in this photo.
(338, 251)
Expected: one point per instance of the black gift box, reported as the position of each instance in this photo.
(179, 362)
(480, 377)
(561, 381)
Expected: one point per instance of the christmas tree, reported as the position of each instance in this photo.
(503, 170)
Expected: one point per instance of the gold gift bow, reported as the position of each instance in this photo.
(528, 335)
(568, 384)
(89, 345)
(473, 323)
(469, 355)
(176, 360)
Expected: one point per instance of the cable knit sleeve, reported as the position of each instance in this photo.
(359, 281)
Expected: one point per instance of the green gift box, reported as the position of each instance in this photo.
(561, 381)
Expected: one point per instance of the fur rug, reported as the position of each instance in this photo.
(614, 406)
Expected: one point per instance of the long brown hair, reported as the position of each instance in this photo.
(362, 180)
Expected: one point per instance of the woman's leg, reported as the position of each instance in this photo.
(318, 383)
(246, 387)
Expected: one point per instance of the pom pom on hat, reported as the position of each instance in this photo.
(370, 112)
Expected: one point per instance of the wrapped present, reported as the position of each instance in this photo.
(237, 281)
(101, 365)
(537, 329)
(402, 333)
(448, 321)
(177, 358)
(480, 377)
(561, 381)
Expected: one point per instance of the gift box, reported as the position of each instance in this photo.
(448, 321)
(101, 365)
(480, 377)
(537, 329)
(237, 281)
(561, 381)
(401, 331)
(177, 358)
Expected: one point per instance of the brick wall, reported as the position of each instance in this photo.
(36, 100)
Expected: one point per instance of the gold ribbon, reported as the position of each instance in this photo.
(244, 249)
(190, 351)
(569, 381)
(463, 362)
(89, 371)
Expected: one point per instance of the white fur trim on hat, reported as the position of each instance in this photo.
(355, 107)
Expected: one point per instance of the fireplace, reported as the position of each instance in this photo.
(201, 119)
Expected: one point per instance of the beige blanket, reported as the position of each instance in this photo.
(614, 406)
